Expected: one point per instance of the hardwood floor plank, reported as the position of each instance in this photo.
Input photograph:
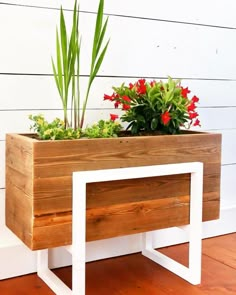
(222, 249)
(217, 278)
(24, 285)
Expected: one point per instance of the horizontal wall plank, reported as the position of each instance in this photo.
(182, 10)
(2, 167)
(228, 194)
(2, 207)
(217, 118)
(211, 118)
(190, 52)
(40, 92)
(229, 147)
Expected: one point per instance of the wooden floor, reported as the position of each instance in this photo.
(137, 275)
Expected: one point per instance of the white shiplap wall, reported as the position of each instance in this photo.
(192, 40)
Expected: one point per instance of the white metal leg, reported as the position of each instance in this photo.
(48, 276)
(79, 236)
(78, 248)
(192, 273)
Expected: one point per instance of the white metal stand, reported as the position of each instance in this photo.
(78, 248)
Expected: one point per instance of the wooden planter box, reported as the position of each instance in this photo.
(39, 182)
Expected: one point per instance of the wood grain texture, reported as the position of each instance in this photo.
(113, 208)
(222, 252)
(136, 217)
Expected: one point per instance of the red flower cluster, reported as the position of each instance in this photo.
(140, 86)
(174, 110)
(123, 100)
(191, 107)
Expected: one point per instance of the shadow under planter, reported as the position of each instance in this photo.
(39, 185)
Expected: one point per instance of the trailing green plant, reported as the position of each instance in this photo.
(155, 106)
(103, 129)
(54, 130)
(66, 66)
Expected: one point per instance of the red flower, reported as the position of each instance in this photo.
(125, 107)
(108, 97)
(116, 104)
(193, 115)
(195, 99)
(197, 123)
(141, 87)
(184, 92)
(113, 117)
(141, 81)
(165, 118)
(131, 86)
(126, 98)
(152, 83)
(191, 107)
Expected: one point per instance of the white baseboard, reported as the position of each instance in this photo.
(15, 258)
(23, 261)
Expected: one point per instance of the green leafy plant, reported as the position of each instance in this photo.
(66, 66)
(54, 130)
(103, 129)
(155, 106)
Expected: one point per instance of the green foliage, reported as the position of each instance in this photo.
(66, 68)
(103, 129)
(56, 129)
(98, 54)
(53, 131)
(155, 106)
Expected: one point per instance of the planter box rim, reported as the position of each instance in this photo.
(32, 136)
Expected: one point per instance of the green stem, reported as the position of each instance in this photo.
(85, 105)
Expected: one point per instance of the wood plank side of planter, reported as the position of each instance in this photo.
(52, 165)
(136, 217)
(19, 186)
(101, 221)
(19, 214)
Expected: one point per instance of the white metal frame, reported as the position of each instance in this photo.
(78, 247)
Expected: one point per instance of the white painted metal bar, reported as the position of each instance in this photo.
(192, 273)
(48, 276)
(78, 248)
(195, 227)
(78, 234)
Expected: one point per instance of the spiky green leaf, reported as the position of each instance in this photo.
(97, 31)
(56, 78)
(59, 64)
(63, 35)
(101, 37)
(98, 63)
